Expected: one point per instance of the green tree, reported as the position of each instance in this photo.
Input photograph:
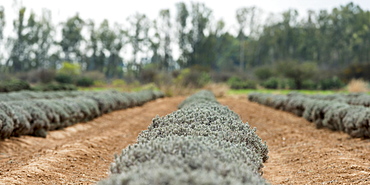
(165, 37)
(138, 38)
(72, 39)
(200, 19)
(248, 26)
(18, 44)
(297, 71)
(192, 38)
(181, 19)
(94, 63)
(112, 44)
(2, 22)
(2, 25)
(154, 45)
(39, 40)
(70, 69)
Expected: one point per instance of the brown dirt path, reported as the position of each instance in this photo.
(81, 154)
(300, 153)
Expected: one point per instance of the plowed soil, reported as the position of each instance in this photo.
(81, 154)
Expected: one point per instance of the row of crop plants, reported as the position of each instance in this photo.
(362, 99)
(38, 114)
(347, 113)
(27, 95)
(201, 143)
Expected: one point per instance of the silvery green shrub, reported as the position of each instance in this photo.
(35, 113)
(343, 112)
(201, 143)
(6, 125)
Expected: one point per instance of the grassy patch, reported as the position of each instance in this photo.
(100, 88)
(125, 88)
(281, 91)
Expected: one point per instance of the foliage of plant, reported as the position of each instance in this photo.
(237, 83)
(331, 83)
(349, 113)
(36, 113)
(357, 71)
(13, 85)
(201, 139)
(298, 72)
(54, 87)
(119, 83)
(84, 82)
(27, 95)
(70, 69)
(271, 83)
(264, 72)
(358, 85)
(64, 78)
(193, 77)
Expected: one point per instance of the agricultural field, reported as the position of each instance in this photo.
(181, 135)
(36, 113)
(348, 113)
(184, 92)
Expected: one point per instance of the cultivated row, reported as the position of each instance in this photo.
(26, 95)
(336, 115)
(201, 143)
(352, 98)
(37, 116)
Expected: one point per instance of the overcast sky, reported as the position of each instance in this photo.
(119, 10)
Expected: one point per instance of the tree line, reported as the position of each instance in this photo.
(337, 39)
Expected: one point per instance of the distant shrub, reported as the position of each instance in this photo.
(297, 72)
(54, 87)
(119, 83)
(221, 76)
(95, 75)
(287, 83)
(84, 82)
(64, 78)
(237, 83)
(14, 85)
(218, 89)
(271, 83)
(163, 79)
(99, 83)
(38, 75)
(264, 72)
(70, 69)
(331, 83)
(148, 75)
(357, 71)
(309, 84)
(193, 78)
(68, 73)
(358, 85)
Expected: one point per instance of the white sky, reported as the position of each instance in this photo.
(119, 10)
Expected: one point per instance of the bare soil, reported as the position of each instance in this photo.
(301, 154)
(81, 154)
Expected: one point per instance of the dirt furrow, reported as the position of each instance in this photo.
(80, 154)
(300, 153)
